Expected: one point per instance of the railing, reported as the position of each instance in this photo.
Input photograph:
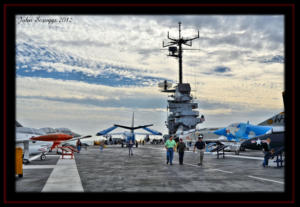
(220, 150)
(67, 150)
(279, 158)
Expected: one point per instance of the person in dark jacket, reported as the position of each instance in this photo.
(268, 153)
(180, 149)
(200, 145)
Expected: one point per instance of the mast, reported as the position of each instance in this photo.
(177, 52)
(182, 116)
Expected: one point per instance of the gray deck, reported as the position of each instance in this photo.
(112, 170)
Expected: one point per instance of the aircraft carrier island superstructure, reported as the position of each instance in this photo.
(183, 115)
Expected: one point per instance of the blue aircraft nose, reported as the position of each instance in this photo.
(220, 132)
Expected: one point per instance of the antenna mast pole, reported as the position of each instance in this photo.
(178, 53)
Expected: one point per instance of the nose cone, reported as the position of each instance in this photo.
(220, 131)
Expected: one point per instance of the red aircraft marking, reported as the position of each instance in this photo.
(55, 138)
(52, 137)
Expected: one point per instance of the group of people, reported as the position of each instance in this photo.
(171, 145)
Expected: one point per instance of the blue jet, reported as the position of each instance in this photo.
(129, 136)
(235, 134)
(237, 131)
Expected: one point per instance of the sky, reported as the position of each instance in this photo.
(88, 72)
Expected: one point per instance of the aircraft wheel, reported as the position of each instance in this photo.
(25, 161)
(43, 157)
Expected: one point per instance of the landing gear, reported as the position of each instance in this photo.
(25, 161)
(43, 157)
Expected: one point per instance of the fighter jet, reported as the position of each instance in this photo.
(236, 134)
(37, 141)
(75, 136)
(131, 134)
(26, 138)
(276, 135)
(242, 131)
(31, 148)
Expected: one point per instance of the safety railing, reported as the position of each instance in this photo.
(67, 151)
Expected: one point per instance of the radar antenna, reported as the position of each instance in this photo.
(177, 52)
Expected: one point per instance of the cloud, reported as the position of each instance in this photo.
(222, 69)
(94, 70)
(89, 94)
(80, 43)
(219, 71)
(274, 59)
(134, 103)
(54, 64)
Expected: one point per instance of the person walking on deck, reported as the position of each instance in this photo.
(200, 145)
(170, 147)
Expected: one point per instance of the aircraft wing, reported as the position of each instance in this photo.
(76, 138)
(152, 131)
(116, 133)
(133, 128)
(215, 140)
(253, 131)
(141, 133)
(18, 141)
(121, 126)
(143, 127)
(106, 131)
(212, 141)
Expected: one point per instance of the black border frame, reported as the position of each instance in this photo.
(9, 10)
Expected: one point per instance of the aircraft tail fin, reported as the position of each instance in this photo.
(277, 120)
(18, 124)
(132, 123)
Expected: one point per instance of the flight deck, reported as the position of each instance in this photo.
(112, 170)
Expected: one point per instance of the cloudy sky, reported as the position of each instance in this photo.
(88, 72)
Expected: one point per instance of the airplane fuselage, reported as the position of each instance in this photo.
(277, 141)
